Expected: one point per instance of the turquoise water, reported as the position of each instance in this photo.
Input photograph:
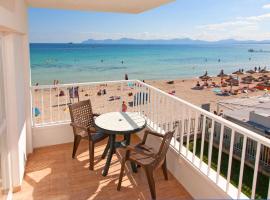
(84, 62)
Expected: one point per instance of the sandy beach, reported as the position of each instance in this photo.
(183, 89)
(47, 100)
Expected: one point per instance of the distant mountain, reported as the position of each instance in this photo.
(172, 41)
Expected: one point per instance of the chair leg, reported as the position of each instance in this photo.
(151, 181)
(91, 155)
(121, 174)
(164, 169)
(106, 150)
(76, 143)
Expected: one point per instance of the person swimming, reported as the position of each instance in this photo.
(126, 77)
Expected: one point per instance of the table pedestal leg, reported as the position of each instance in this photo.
(110, 154)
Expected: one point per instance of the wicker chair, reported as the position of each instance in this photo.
(147, 158)
(82, 122)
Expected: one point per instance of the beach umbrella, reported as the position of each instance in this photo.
(251, 71)
(232, 81)
(222, 74)
(238, 72)
(264, 78)
(205, 77)
(248, 79)
(251, 78)
(205, 74)
(263, 71)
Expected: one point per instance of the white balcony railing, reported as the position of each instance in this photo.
(212, 144)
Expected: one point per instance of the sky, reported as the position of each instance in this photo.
(209, 20)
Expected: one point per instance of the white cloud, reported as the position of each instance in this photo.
(266, 6)
(251, 21)
(225, 25)
(251, 27)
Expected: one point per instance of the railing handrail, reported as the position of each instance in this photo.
(255, 136)
(80, 84)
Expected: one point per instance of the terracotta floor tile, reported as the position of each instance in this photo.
(51, 174)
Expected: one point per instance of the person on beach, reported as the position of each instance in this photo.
(126, 77)
(124, 107)
(221, 113)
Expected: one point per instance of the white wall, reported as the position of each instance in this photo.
(13, 16)
(13, 26)
(52, 135)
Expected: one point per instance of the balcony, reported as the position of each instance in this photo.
(52, 174)
(207, 150)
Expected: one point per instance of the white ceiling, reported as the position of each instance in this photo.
(123, 6)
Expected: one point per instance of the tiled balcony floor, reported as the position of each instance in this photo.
(52, 174)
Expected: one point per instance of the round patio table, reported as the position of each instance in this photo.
(122, 123)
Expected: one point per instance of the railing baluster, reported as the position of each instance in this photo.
(195, 136)
(51, 104)
(148, 104)
(66, 101)
(157, 112)
(154, 110)
(242, 166)
(33, 106)
(258, 150)
(58, 108)
(121, 96)
(144, 102)
(137, 97)
(174, 108)
(134, 97)
(210, 147)
(220, 151)
(202, 141)
(141, 99)
(42, 107)
(268, 194)
(230, 160)
(182, 127)
(188, 131)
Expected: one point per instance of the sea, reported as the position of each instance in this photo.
(73, 63)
